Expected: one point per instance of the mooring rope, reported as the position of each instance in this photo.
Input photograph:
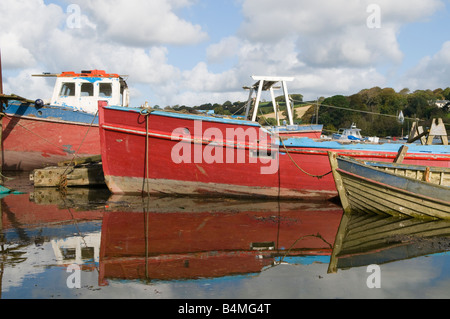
(301, 169)
(62, 184)
(293, 161)
(145, 112)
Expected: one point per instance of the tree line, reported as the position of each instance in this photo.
(375, 111)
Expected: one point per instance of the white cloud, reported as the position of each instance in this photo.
(325, 45)
(25, 25)
(142, 22)
(13, 53)
(335, 33)
(33, 87)
(226, 48)
(92, 35)
(432, 71)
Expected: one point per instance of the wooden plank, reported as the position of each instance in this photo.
(401, 154)
(416, 133)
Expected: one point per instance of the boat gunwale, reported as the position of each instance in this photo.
(199, 117)
(372, 165)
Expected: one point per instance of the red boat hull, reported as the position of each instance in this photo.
(300, 171)
(30, 143)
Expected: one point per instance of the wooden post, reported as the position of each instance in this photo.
(401, 154)
(437, 130)
(416, 133)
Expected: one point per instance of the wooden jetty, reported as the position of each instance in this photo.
(85, 172)
(391, 188)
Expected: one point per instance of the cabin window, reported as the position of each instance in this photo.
(87, 89)
(67, 89)
(105, 90)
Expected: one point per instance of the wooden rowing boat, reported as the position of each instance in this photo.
(390, 188)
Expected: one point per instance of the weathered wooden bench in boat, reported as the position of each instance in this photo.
(390, 188)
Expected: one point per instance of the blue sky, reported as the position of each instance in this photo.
(199, 51)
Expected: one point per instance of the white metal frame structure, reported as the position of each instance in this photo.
(266, 83)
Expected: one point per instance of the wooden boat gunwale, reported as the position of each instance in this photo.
(364, 187)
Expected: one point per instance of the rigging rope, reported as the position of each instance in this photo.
(62, 184)
(301, 169)
(293, 161)
(353, 110)
(145, 112)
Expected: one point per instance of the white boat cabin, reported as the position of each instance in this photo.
(82, 91)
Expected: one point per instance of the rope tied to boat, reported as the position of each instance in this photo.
(62, 184)
(146, 111)
(63, 181)
(293, 161)
(301, 169)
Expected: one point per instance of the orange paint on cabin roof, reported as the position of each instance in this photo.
(90, 73)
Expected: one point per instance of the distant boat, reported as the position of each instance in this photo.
(417, 191)
(38, 133)
(352, 134)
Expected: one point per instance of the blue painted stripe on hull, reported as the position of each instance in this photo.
(195, 117)
(48, 112)
(305, 142)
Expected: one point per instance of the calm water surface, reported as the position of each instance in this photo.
(87, 244)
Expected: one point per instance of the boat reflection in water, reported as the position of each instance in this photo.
(71, 222)
(146, 240)
(185, 238)
(367, 239)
